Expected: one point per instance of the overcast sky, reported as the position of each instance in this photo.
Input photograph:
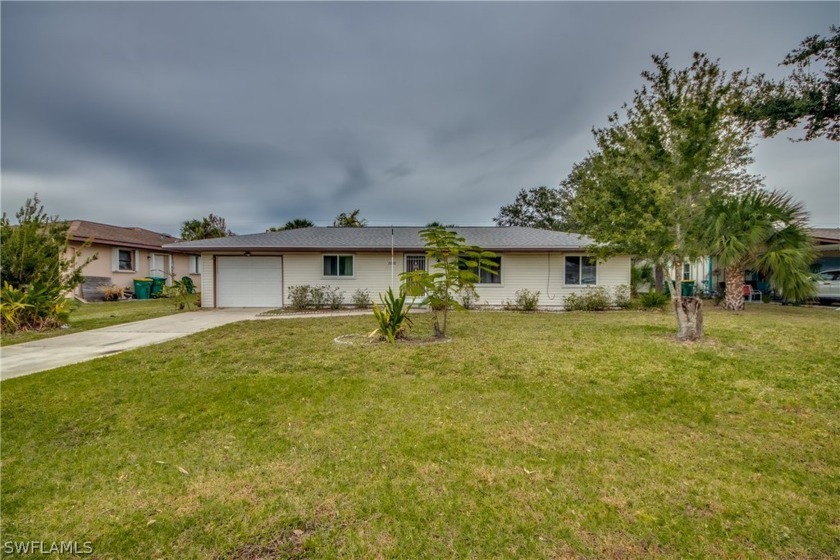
(149, 114)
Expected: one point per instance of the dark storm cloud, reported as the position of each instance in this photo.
(262, 112)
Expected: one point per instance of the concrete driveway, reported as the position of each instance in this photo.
(30, 357)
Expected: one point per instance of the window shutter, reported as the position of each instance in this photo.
(136, 263)
(115, 259)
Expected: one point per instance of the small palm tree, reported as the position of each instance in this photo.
(764, 231)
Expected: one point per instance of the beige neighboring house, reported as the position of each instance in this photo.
(126, 253)
(257, 270)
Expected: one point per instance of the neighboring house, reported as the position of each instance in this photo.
(704, 271)
(126, 253)
(257, 270)
(828, 247)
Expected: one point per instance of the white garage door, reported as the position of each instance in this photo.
(249, 281)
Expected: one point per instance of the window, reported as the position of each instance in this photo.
(581, 271)
(414, 263)
(493, 276)
(124, 260)
(686, 271)
(195, 264)
(338, 265)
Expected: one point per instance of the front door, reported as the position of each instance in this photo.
(412, 264)
(160, 266)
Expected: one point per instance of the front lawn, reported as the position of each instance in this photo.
(89, 316)
(528, 436)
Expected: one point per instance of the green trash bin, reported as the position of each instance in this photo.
(157, 285)
(687, 288)
(142, 288)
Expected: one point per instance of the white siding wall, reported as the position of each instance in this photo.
(207, 280)
(372, 272)
(545, 272)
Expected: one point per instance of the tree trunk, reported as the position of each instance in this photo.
(659, 278)
(733, 299)
(438, 332)
(689, 311)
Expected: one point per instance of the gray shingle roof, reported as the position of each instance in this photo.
(379, 239)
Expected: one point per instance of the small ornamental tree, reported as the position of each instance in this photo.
(38, 269)
(455, 266)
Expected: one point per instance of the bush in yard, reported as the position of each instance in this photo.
(468, 297)
(525, 300)
(621, 296)
(361, 298)
(333, 297)
(112, 292)
(592, 299)
(37, 269)
(299, 296)
(392, 317)
(654, 299)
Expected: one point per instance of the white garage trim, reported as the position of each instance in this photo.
(250, 281)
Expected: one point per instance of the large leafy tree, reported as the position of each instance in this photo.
(350, 220)
(38, 268)
(809, 94)
(297, 223)
(209, 227)
(764, 231)
(540, 207)
(455, 267)
(675, 145)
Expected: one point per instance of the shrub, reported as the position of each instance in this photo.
(299, 296)
(317, 297)
(361, 298)
(621, 297)
(38, 269)
(526, 300)
(392, 317)
(654, 299)
(468, 297)
(334, 298)
(592, 299)
(112, 292)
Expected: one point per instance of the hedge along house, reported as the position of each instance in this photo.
(126, 253)
(257, 270)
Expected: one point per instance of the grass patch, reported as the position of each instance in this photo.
(89, 316)
(547, 435)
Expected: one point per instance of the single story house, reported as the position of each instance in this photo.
(256, 270)
(126, 253)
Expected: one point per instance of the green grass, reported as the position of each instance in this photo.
(97, 315)
(528, 436)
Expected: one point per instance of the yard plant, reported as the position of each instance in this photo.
(551, 435)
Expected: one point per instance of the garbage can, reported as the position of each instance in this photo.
(157, 285)
(142, 288)
(687, 288)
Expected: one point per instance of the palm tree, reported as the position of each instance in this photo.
(297, 223)
(206, 228)
(763, 231)
(349, 220)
